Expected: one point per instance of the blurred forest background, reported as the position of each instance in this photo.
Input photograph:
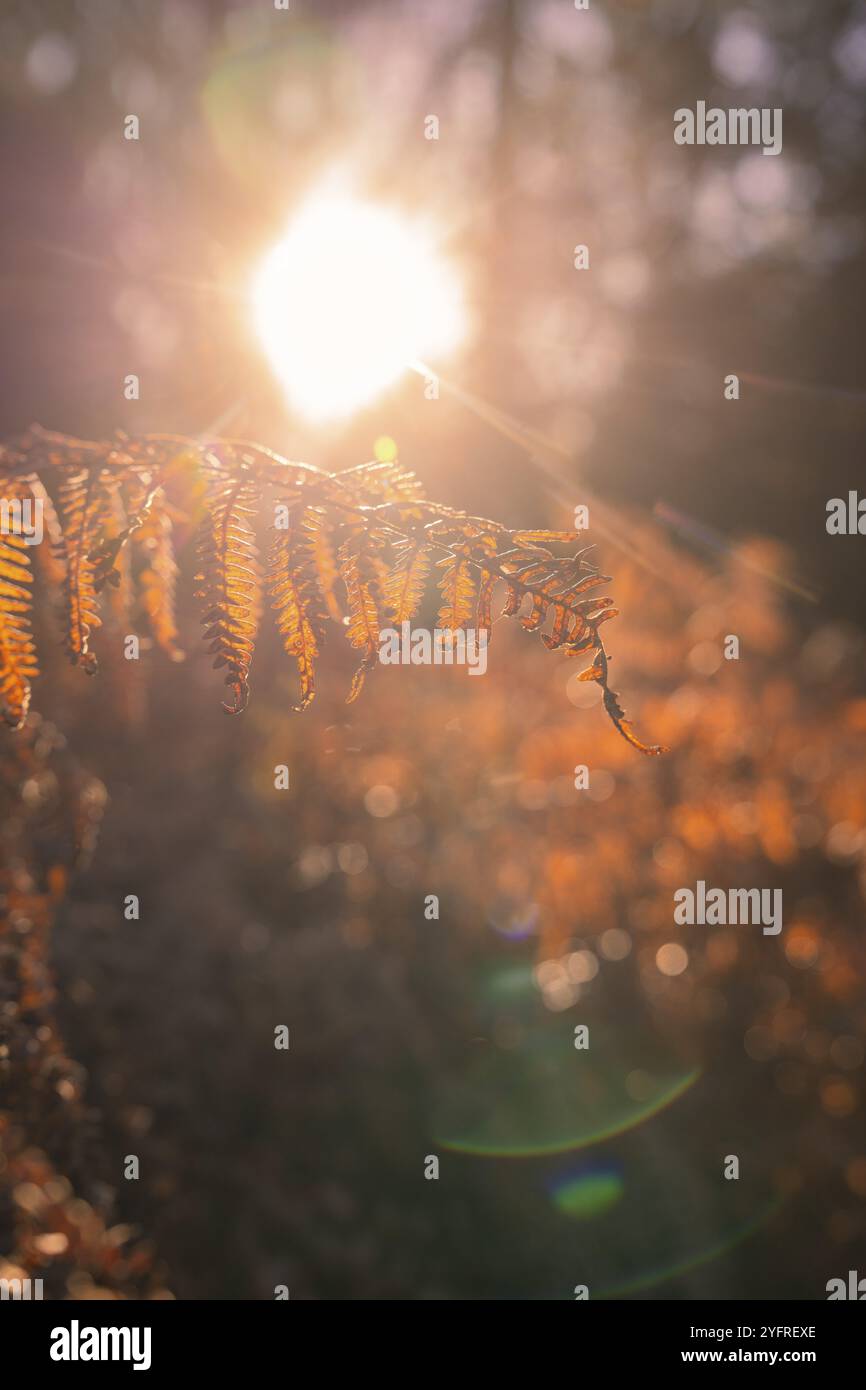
(454, 1037)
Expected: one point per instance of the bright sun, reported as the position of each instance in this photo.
(352, 296)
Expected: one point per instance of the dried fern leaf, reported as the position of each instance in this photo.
(115, 579)
(513, 599)
(123, 523)
(382, 482)
(389, 533)
(624, 726)
(405, 585)
(484, 613)
(562, 624)
(362, 596)
(537, 614)
(298, 601)
(156, 577)
(48, 562)
(542, 537)
(85, 501)
(18, 664)
(228, 579)
(581, 641)
(459, 589)
(321, 534)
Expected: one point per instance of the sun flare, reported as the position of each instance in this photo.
(352, 296)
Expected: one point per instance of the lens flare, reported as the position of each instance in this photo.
(588, 1193)
(352, 296)
(685, 1264)
(542, 1097)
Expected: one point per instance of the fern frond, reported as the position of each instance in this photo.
(228, 579)
(615, 711)
(123, 523)
(48, 562)
(362, 584)
(405, 585)
(370, 528)
(542, 537)
(484, 612)
(298, 600)
(382, 482)
(321, 534)
(85, 504)
(534, 619)
(156, 578)
(18, 664)
(459, 589)
(114, 580)
(513, 600)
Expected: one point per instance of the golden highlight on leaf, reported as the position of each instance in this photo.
(459, 589)
(405, 586)
(228, 579)
(298, 600)
(360, 579)
(18, 664)
(85, 511)
(157, 577)
(368, 531)
(325, 561)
